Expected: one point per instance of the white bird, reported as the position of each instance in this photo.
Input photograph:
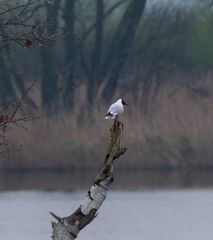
(116, 109)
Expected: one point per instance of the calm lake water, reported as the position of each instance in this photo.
(175, 207)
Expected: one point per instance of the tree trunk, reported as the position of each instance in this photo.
(67, 228)
(96, 53)
(7, 92)
(120, 46)
(49, 89)
(93, 71)
(109, 67)
(70, 54)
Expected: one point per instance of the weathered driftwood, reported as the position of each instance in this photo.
(67, 228)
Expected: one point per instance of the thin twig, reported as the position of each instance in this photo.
(15, 8)
(22, 98)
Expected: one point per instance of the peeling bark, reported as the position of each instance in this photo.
(67, 228)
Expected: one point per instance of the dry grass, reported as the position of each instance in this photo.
(177, 132)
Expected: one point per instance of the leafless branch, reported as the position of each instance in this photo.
(7, 120)
(109, 11)
(15, 8)
(22, 98)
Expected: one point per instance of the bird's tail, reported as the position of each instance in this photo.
(109, 115)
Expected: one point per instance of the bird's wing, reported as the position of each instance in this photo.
(111, 109)
(116, 109)
(109, 116)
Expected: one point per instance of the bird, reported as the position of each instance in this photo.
(116, 109)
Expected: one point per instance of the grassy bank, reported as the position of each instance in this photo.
(176, 133)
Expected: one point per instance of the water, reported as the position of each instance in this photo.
(169, 211)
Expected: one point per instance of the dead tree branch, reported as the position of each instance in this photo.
(8, 120)
(67, 228)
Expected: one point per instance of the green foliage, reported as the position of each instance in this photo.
(176, 38)
(162, 39)
(170, 38)
(200, 41)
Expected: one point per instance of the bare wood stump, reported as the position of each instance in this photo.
(67, 228)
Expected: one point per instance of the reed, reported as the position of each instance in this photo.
(176, 133)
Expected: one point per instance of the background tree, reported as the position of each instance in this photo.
(98, 45)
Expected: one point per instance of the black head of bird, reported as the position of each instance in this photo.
(124, 103)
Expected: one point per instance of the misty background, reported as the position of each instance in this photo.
(73, 59)
(157, 55)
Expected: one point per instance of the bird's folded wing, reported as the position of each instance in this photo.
(111, 108)
(109, 114)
